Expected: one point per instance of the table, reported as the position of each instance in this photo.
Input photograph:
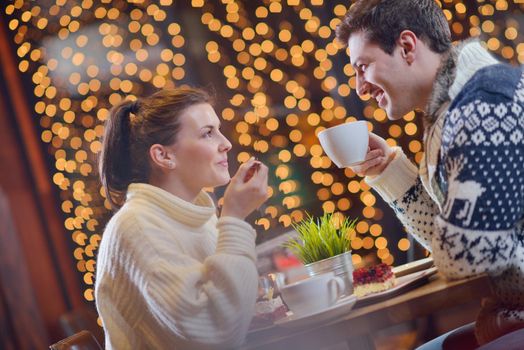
(436, 295)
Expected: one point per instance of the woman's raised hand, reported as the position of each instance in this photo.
(377, 159)
(247, 190)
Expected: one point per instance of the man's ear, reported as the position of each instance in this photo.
(408, 42)
(163, 157)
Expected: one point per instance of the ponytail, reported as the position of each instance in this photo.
(115, 159)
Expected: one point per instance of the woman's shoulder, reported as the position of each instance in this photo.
(134, 224)
(126, 223)
(129, 237)
(127, 213)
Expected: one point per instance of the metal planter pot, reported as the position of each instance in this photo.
(341, 265)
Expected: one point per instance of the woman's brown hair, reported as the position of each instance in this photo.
(132, 128)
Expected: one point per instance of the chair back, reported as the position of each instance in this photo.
(81, 319)
(509, 341)
(83, 340)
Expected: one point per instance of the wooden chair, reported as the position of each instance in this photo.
(81, 319)
(83, 340)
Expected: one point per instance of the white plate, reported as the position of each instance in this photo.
(340, 308)
(412, 267)
(402, 284)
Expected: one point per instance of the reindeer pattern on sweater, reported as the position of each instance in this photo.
(466, 203)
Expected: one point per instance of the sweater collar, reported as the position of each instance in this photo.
(193, 214)
(457, 67)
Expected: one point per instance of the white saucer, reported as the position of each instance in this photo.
(340, 308)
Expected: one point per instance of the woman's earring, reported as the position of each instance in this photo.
(170, 164)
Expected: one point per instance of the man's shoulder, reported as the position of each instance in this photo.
(496, 83)
(488, 111)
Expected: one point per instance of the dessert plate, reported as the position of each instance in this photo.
(403, 284)
(413, 266)
(340, 308)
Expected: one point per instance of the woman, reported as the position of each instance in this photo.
(170, 274)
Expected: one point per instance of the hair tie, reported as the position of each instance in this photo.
(134, 107)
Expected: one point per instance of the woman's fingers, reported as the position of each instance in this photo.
(244, 168)
(251, 171)
(260, 178)
(241, 197)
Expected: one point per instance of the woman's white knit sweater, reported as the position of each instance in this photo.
(170, 275)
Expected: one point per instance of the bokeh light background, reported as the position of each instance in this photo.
(279, 76)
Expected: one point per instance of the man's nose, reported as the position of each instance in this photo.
(362, 86)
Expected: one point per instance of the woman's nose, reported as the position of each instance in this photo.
(225, 146)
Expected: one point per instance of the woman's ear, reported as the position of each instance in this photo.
(162, 156)
(408, 41)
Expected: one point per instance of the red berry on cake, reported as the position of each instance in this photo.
(367, 280)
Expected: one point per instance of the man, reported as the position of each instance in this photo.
(466, 202)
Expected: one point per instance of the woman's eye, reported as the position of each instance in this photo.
(208, 133)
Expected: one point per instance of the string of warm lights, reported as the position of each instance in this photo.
(270, 53)
(83, 58)
(284, 75)
(256, 55)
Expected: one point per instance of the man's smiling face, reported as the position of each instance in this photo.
(385, 77)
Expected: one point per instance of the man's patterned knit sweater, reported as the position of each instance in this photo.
(466, 202)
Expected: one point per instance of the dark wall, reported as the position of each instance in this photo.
(37, 279)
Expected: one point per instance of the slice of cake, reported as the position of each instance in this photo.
(267, 311)
(367, 280)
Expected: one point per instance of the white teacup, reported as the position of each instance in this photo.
(313, 294)
(346, 144)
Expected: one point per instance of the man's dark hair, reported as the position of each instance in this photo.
(383, 20)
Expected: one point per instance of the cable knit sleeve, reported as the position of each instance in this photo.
(174, 300)
(400, 186)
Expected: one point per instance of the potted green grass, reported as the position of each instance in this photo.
(324, 245)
